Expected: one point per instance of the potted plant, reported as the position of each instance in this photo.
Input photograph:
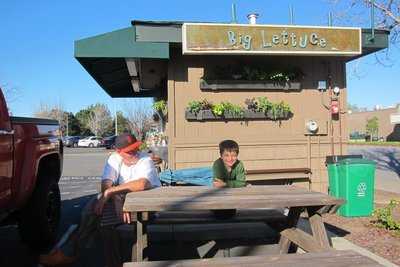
(252, 77)
(199, 110)
(161, 108)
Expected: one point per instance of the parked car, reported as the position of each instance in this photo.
(109, 142)
(90, 141)
(71, 141)
(31, 156)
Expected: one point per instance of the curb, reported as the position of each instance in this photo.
(341, 243)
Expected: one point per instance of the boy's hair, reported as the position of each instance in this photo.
(228, 145)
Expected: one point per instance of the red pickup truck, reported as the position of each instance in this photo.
(31, 155)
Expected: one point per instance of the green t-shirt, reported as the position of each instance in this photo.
(235, 178)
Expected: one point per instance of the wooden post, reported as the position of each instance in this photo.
(318, 227)
(293, 218)
(138, 249)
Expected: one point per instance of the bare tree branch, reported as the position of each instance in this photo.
(139, 118)
(11, 93)
(100, 120)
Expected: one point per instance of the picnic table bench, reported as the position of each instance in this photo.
(191, 198)
(344, 258)
(287, 175)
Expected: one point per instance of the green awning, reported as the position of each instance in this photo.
(103, 56)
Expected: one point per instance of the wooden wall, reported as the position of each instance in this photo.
(263, 144)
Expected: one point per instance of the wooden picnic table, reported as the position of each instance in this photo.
(192, 198)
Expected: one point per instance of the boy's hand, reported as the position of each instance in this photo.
(219, 183)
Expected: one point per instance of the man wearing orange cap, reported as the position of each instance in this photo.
(127, 170)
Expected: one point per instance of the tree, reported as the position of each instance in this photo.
(83, 118)
(100, 120)
(357, 11)
(372, 126)
(55, 113)
(74, 127)
(139, 118)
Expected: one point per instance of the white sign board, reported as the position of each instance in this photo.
(395, 118)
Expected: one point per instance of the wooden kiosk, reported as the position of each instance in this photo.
(299, 70)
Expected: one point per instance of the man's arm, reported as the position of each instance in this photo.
(133, 186)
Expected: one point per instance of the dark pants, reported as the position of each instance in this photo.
(84, 237)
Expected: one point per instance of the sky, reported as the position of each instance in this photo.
(37, 42)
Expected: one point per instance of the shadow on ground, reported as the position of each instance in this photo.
(386, 158)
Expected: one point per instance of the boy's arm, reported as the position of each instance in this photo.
(240, 179)
(218, 175)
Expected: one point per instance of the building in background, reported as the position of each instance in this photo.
(388, 121)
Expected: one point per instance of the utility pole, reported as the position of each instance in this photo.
(116, 118)
(67, 123)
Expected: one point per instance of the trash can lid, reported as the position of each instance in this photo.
(357, 161)
(337, 158)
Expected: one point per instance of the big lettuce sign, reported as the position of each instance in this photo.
(200, 38)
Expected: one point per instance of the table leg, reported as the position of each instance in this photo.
(293, 218)
(318, 228)
(138, 249)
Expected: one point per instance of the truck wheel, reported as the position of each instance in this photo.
(40, 218)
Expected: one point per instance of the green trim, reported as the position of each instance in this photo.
(119, 44)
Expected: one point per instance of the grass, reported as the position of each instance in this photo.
(374, 143)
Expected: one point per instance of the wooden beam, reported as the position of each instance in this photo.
(303, 240)
(132, 65)
(293, 218)
(135, 85)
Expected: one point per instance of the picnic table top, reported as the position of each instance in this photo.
(184, 198)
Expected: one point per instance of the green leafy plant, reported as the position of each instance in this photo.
(263, 104)
(234, 110)
(195, 106)
(218, 109)
(384, 216)
(161, 107)
(282, 109)
(224, 108)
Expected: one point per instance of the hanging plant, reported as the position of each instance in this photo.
(161, 107)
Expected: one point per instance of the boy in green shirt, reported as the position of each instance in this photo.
(228, 171)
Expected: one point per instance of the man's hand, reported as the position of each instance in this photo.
(99, 205)
(219, 183)
(119, 204)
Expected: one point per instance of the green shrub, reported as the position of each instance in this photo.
(384, 216)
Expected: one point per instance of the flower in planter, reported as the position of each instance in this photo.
(251, 104)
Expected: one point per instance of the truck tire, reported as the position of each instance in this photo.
(40, 218)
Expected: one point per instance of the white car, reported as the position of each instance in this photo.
(91, 141)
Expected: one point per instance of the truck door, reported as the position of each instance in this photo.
(6, 153)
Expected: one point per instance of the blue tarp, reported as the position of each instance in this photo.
(194, 176)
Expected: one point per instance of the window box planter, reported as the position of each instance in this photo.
(207, 115)
(249, 85)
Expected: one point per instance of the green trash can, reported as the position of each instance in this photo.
(356, 185)
(333, 172)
